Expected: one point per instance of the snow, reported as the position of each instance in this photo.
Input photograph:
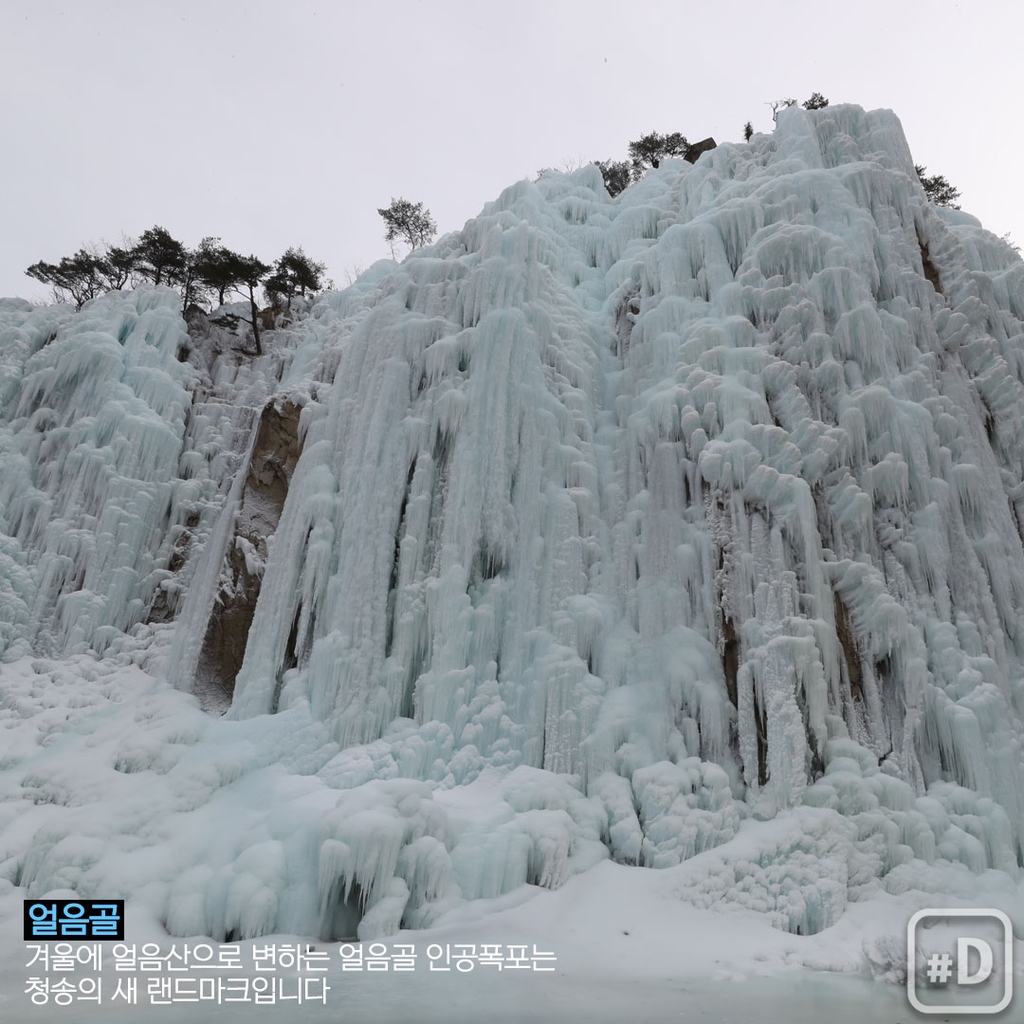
(680, 531)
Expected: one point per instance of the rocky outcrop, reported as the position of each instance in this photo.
(694, 150)
(275, 453)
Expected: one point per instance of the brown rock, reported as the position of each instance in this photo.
(275, 453)
(695, 149)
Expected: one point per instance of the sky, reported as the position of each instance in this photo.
(272, 124)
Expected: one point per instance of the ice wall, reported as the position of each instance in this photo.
(92, 414)
(703, 480)
(122, 434)
(714, 464)
(618, 524)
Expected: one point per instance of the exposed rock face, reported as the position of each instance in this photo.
(275, 452)
(695, 150)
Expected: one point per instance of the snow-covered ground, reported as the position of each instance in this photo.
(649, 589)
(126, 780)
(625, 951)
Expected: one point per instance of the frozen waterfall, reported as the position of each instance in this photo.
(685, 521)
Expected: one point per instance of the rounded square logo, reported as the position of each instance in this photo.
(959, 960)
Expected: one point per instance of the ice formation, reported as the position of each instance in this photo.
(682, 528)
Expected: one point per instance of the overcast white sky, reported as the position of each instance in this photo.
(289, 122)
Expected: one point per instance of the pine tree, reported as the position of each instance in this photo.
(617, 174)
(295, 272)
(120, 264)
(650, 149)
(938, 189)
(79, 278)
(409, 222)
(229, 271)
(160, 257)
(217, 267)
(249, 273)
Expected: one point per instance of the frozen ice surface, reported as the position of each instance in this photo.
(680, 530)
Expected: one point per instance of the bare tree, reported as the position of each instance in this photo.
(778, 105)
